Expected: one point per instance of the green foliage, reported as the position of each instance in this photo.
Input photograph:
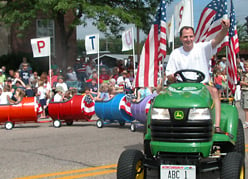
(108, 16)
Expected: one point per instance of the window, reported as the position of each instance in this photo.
(45, 28)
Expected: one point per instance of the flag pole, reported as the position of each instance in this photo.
(192, 13)
(50, 66)
(134, 59)
(98, 69)
(227, 74)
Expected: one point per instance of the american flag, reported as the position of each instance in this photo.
(154, 50)
(210, 22)
(125, 105)
(88, 106)
(232, 51)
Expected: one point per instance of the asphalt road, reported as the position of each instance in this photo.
(79, 151)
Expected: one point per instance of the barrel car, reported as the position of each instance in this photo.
(26, 111)
(77, 108)
(139, 111)
(117, 109)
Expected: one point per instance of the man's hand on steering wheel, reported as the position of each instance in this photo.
(181, 73)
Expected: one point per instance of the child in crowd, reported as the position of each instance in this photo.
(112, 92)
(19, 94)
(93, 88)
(6, 95)
(41, 94)
(104, 93)
(29, 91)
(88, 93)
(59, 96)
(218, 80)
(142, 93)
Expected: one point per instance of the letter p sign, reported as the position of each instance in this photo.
(41, 47)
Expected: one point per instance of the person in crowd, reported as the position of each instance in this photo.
(25, 61)
(197, 56)
(54, 78)
(11, 74)
(62, 83)
(89, 69)
(223, 63)
(80, 69)
(34, 78)
(218, 80)
(115, 73)
(71, 74)
(104, 93)
(4, 70)
(18, 79)
(143, 92)
(104, 75)
(59, 96)
(19, 94)
(46, 85)
(25, 74)
(93, 88)
(120, 65)
(112, 92)
(6, 95)
(124, 82)
(94, 76)
(42, 94)
(244, 93)
(2, 77)
(88, 93)
(29, 92)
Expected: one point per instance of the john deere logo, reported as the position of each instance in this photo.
(178, 115)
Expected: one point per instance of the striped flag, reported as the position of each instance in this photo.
(210, 22)
(88, 106)
(125, 105)
(232, 51)
(154, 50)
(183, 15)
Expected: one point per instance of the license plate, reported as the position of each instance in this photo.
(177, 172)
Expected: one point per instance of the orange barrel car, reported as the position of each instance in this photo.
(78, 108)
(25, 111)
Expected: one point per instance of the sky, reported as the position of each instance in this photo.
(239, 5)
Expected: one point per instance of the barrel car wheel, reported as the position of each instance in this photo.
(133, 127)
(99, 123)
(56, 123)
(9, 125)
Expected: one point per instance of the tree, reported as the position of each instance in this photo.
(108, 16)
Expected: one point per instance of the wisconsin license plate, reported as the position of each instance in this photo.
(177, 172)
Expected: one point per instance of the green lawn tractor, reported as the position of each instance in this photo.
(180, 141)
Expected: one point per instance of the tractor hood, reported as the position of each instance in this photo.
(184, 95)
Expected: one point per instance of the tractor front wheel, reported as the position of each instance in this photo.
(130, 165)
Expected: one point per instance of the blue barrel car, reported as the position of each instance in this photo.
(116, 109)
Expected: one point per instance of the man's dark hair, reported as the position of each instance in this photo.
(185, 27)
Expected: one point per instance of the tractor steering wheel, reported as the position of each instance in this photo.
(200, 76)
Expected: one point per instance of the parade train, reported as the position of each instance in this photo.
(119, 109)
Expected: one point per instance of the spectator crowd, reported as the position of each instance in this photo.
(82, 78)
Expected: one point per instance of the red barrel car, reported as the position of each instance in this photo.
(23, 112)
(78, 108)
